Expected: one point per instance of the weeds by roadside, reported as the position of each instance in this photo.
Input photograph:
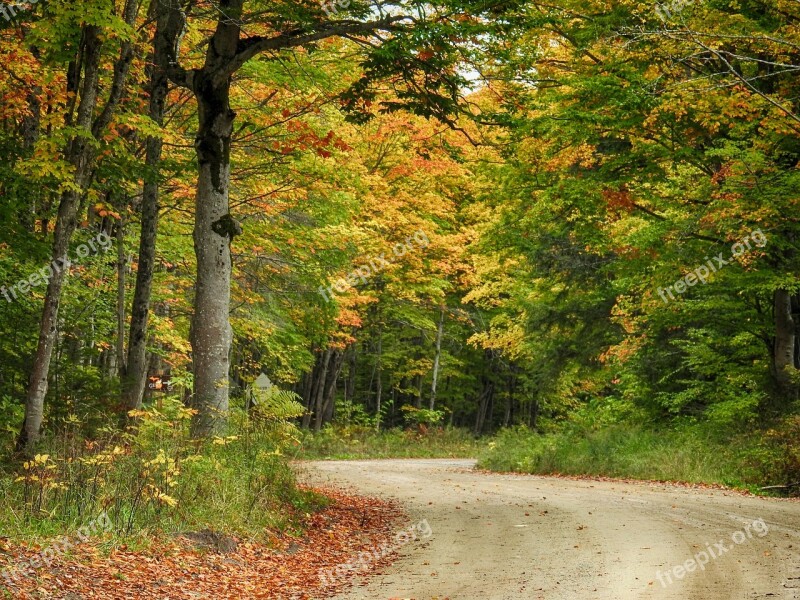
(688, 455)
(354, 442)
(152, 478)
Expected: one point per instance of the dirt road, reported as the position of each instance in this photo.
(504, 537)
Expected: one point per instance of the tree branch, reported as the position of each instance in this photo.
(251, 47)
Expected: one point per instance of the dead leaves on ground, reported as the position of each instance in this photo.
(287, 570)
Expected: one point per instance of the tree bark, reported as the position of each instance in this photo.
(485, 401)
(308, 395)
(169, 27)
(81, 155)
(437, 359)
(418, 387)
(213, 233)
(329, 394)
(122, 265)
(783, 358)
(509, 408)
(379, 383)
(214, 228)
(350, 385)
(319, 397)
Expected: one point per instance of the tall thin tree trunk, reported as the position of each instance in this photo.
(308, 394)
(350, 385)
(418, 396)
(37, 390)
(320, 391)
(437, 359)
(379, 384)
(329, 402)
(81, 155)
(169, 26)
(485, 401)
(122, 265)
(509, 409)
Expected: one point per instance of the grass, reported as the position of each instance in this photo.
(153, 481)
(686, 455)
(342, 443)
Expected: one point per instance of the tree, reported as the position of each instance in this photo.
(170, 23)
(418, 58)
(80, 152)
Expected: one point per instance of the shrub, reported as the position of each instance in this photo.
(153, 477)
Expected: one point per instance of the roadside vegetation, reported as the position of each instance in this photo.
(151, 480)
(762, 461)
(626, 452)
(358, 442)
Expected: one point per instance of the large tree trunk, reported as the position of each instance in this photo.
(214, 230)
(783, 359)
(170, 23)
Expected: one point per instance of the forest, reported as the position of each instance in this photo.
(232, 229)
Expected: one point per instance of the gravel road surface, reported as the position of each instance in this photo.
(498, 536)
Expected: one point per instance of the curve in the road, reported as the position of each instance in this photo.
(504, 537)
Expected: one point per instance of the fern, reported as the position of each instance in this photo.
(275, 404)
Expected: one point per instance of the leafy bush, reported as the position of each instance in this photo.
(422, 416)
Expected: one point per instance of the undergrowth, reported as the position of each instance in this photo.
(358, 442)
(688, 454)
(151, 479)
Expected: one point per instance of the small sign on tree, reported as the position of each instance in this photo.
(159, 383)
